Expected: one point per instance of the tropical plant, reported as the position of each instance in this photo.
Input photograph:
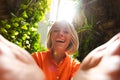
(21, 27)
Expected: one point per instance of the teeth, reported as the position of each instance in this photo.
(60, 41)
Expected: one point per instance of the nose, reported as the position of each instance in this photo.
(61, 33)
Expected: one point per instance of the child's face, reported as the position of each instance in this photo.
(60, 37)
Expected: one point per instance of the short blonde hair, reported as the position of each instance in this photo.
(74, 43)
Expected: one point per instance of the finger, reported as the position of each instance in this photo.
(114, 48)
(17, 51)
(6, 58)
(4, 50)
(114, 38)
(109, 48)
(107, 44)
(14, 52)
(110, 65)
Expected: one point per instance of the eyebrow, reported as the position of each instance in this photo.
(55, 28)
(58, 27)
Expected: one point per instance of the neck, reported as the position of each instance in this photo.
(58, 56)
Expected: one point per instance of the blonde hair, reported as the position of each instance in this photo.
(74, 43)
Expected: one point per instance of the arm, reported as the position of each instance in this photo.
(103, 63)
(16, 63)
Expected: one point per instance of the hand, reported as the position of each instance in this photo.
(103, 63)
(16, 63)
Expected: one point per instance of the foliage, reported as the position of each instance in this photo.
(21, 27)
(87, 34)
(87, 39)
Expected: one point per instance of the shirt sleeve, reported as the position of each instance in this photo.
(38, 58)
(75, 66)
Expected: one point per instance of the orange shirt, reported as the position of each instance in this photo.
(53, 71)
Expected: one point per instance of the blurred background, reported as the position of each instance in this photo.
(26, 22)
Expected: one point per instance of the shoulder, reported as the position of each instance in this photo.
(75, 65)
(39, 54)
(75, 62)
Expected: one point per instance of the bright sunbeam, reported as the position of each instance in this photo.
(63, 10)
(66, 11)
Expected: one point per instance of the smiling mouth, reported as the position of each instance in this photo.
(60, 41)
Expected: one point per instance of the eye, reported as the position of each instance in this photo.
(56, 30)
(66, 32)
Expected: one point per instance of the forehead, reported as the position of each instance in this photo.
(61, 26)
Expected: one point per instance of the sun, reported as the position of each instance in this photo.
(62, 10)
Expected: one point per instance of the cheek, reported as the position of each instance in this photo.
(53, 35)
(53, 39)
(68, 39)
